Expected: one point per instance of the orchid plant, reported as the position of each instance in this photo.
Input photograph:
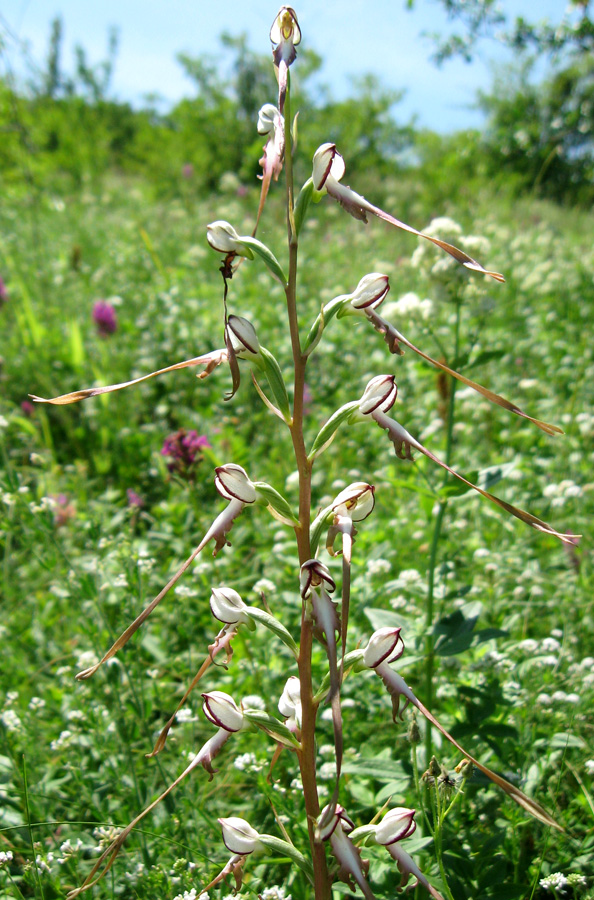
(336, 850)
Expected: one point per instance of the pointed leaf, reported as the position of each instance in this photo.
(267, 255)
(277, 628)
(327, 432)
(276, 382)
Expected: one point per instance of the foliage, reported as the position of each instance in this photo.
(95, 521)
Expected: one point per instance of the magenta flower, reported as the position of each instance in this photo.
(134, 499)
(104, 317)
(27, 408)
(184, 449)
(3, 292)
(188, 171)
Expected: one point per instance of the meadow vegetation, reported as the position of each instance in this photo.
(106, 275)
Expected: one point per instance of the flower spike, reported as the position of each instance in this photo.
(328, 169)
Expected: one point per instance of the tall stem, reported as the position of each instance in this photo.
(306, 755)
(441, 508)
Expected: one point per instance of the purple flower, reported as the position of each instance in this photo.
(64, 510)
(27, 408)
(104, 317)
(134, 499)
(3, 292)
(188, 171)
(183, 447)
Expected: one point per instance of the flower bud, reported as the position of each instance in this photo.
(370, 292)
(356, 501)
(327, 162)
(222, 237)
(239, 837)
(289, 704)
(313, 574)
(269, 118)
(243, 336)
(232, 483)
(222, 710)
(380, 394)
(384, 645)
(396, 825)
(227, 606)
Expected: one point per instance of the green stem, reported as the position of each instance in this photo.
(306, 755)
(441, 508)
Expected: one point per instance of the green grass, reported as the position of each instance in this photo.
(76, 571)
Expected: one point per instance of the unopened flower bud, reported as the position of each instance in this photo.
(222, 710)
(269, 118)
(356, 501)
(397, 824)
(289, 704)
(385, 645)
(243, 336)
(239, 837)
(370, 292)
(465, 769)
(313, 574)
(227, 606)
(222, 237)
(380, 394)
(433, 770)
(232, 483)
(414, 735)
(327, 162)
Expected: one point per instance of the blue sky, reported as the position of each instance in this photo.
(353, 36)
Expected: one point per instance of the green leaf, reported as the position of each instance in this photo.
(563, 739)
(286, 849)
(276, 729)
(328, 430)
(277, 628)
(276, 381)
(325, 316)
(378, 767)
(485, 357)
(302, 204)
(267, 255)
(277, 501)
(321, 521)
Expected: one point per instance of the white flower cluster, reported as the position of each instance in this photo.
(5, 857)
(409, 305)
(560, 493)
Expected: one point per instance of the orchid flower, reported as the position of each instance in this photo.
(234, 485)
(395, 826)
(336, 829)
(244, 343)
(364, 301)
(285, 35)
(405, 443)
(386, 646)
(219, 708)
(328, 170)
(271, 123)
(317, 584)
